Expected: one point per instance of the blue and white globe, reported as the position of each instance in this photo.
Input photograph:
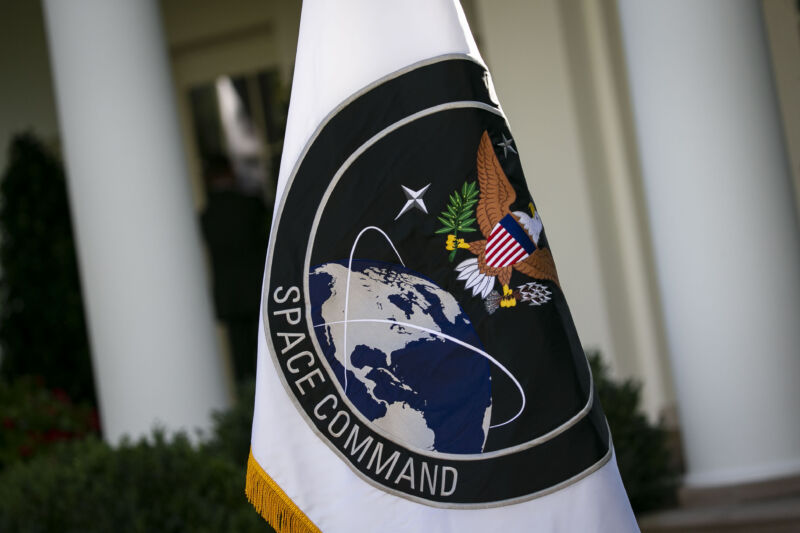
(403, 340)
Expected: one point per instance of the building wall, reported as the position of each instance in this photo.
(782, 18)
(26, 87)
(208, 39)
(525, 53)
(555, 67)
(559, 72)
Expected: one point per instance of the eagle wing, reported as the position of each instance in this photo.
(539, 265)
(497, 194)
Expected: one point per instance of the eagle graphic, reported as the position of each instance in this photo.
(512, 239)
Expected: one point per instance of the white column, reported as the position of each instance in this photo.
(724, 229)
(151, 328)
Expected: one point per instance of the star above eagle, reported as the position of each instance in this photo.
(512, 240)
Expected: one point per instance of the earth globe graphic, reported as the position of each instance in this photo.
(397, 333)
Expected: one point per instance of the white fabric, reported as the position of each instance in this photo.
(343, 46)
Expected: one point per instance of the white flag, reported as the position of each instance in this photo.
(418, 367)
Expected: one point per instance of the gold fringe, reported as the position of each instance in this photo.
(273, 504)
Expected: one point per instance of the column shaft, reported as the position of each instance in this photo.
(724, 229)
(151, 327)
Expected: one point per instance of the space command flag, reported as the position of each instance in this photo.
(418, 367)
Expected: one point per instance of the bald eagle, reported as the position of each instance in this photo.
(512, 240)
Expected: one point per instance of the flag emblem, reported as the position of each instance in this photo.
(512, 240)
(370, 311)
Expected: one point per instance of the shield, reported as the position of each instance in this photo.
(508, 244)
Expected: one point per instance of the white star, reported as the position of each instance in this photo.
(413, 199)
(506, 144)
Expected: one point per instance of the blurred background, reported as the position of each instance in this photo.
(141, 143)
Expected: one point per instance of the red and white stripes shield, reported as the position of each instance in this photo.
(507, 244)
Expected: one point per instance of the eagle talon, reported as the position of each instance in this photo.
(508, 302)
(453, 243)
(508, 299)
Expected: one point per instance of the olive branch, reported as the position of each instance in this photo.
(459, 214)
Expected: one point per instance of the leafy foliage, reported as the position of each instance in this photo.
(34, 419)
(55, 475)
(158, 485)
(458, 216)
(42, 328)
(231, 435)
(170, 485)
(647, 466)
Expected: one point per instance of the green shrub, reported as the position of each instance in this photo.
(645, 462)
(161, 485)
(158, 484)
(232, 428)
(42, 329)
(169, 485)
(34, 419)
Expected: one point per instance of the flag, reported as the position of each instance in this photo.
(418, 367)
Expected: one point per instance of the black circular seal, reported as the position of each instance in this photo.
(411, 303)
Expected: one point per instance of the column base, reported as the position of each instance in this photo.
(742, 475)
(772, 489)
(764, 506)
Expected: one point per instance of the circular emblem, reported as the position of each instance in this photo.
(412, 306)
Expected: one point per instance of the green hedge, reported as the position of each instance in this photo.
(157, 484)
(42, 327)
(170, 485)
(162, 485)
(646, 462)
(34, 419)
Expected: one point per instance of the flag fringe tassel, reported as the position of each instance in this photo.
(273, 504)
